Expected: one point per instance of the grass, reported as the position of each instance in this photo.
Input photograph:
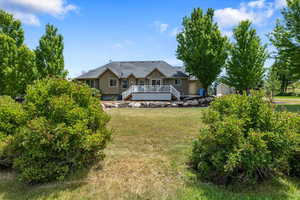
(147, 160)
(287, 97)
(287, 107)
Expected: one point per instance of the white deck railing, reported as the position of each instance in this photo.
(150, 89)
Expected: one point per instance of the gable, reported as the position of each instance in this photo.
(108, 74)
(155, 74)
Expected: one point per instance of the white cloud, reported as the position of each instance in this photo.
(257, 4)
(280, 4)
(256, 11)
(27, 18)
(160, 27)
(175, 31)
(27, 10)
(163, 27)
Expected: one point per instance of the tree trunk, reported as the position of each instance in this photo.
(206, 91)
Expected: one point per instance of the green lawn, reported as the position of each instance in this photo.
(147, 160)
(287, 97)
(287, 107)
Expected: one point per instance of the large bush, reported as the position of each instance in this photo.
(12, 117)
(244, 140)
(66, 131)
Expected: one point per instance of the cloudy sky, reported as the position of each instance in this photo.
(98, 31)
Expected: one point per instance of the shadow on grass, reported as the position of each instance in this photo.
(12, 189)
(276, 189)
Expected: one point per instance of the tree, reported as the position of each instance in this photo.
(201, 47)
(8, 63)
(49, 54)
(11, 27)
(26, 70)
(245, 67)
(283, 63)
(17, 62)
(272, 83)
(286, 39)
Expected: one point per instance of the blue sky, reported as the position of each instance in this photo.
(98, 31)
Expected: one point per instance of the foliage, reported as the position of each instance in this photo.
(11, 27)
(245, 67)
(245, 140)
(8, 63)
(17, 62)
(286, 39)
(12, 116)
(283, 64)
(66, 131)
(201, 46)
(49, 54)
(272, 84)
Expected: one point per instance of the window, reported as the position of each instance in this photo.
(155, 82)
(177, 82)
(141, 82)
(112, 82)
(91, 83)
(124, 84)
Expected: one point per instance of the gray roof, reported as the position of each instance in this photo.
(139, 69)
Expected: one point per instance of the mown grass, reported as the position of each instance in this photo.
(287, 97)
(147, 159)
(288, 107)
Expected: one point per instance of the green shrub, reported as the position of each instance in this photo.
(12, 117)
(66, 131)
(245, 140)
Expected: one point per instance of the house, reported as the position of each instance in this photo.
(223, 89)
(141, 80)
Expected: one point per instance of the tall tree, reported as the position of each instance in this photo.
(286, 39)
(11, 27)
(17, 62)
(49, 54)
(245, 67)
(8, 64)
(26, 72)
(201, 46)
(272, 83)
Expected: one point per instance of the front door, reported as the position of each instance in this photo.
(155, 82)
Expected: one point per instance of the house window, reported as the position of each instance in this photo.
(91, 83)
(124, 84)
(177, 82)
(112, 82)
(141, 82)
(155, 82)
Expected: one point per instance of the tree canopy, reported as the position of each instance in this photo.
(49, 54)
(201, 46)
(286, 39)
(245, 66)
(11, 27)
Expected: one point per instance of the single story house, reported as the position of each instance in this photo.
(141, 80)
(223, 89)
